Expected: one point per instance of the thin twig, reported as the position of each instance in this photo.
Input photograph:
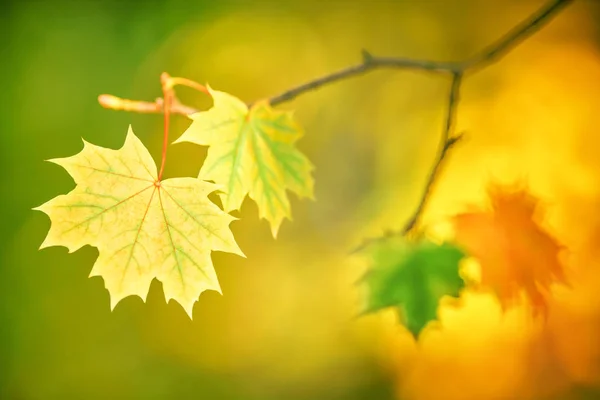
(512, 38)
(446, 143)
(488, 55)
(456, 70)
(368, 64)
(144, 107)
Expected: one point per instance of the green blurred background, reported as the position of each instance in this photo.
(285, 326)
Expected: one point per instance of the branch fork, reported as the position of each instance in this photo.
(456, 71)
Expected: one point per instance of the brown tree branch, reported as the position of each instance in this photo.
(488, 55)
(512, 38)
(456, 70)
(446, 143)
(369, 63)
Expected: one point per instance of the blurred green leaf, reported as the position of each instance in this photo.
(413, 276)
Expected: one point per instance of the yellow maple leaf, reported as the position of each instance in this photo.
(515, 253)
(143, 228)
(251, 153)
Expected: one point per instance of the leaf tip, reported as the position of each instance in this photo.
(182, 137)
(189, 309)
(240, 253)
(216, 187)
(275, 229)
(114, 300)
(56, 161)
(44, 245)
(130, 137)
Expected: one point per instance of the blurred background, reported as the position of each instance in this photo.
(285, 327)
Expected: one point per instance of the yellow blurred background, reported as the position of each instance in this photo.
(285, 326)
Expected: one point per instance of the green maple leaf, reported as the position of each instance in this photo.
(251, 153)
(412, 276)
(143, 228)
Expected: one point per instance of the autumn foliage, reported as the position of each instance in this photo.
(514, 252)
(145, 227)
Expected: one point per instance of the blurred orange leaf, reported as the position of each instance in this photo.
(514, 252)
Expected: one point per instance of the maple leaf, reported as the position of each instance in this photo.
(251, 153)
(143, 228)
(513, 250)
(412, 276)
